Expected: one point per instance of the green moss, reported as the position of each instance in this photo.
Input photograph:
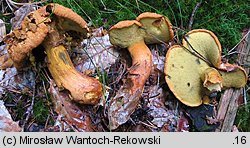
(242, 119)
(41, 111)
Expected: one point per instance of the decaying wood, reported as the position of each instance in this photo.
(228, 105)
(224, 104)
(231, 111)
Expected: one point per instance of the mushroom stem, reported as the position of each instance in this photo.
(83, 89)
(212, 79)
(141, 65)
(128, 96)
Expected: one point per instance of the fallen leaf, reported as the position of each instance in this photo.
(69, 115)
(97, 53)
(20, 14)
(122, 106)
(183, 124)
(161, 115)
(199, 116)
(235, 129)
(6, 122)
(10, 78)
(140, 128)
(158, 60)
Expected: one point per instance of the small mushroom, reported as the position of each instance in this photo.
(158, 27)
(190, 77)
(47, 27)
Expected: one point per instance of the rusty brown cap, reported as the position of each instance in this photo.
(68, 19)
(21, 41)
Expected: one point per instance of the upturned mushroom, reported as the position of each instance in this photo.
(47, 27)
(195, 68)
(148, 28)
(158, 27)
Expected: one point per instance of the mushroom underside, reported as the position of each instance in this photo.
(190, 77)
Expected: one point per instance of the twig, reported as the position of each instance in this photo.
(107, 9)
(245, 96)
(30, 108)
(228, 54)
(137, 4)
(9, 5)
(196, 53)
(151, 126)
(191, 20)
(21, 4)
(230, 51)
(47, 121)
(1, 82)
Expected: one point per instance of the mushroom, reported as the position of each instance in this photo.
(148, 28)
(158, 27)
(47, 27)
(127, 34)
(190, 74)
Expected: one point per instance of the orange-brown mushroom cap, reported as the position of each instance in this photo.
(69, 20)
(124, 24)
(20, 42)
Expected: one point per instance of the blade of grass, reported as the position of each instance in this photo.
(179, 7)
(125, 8)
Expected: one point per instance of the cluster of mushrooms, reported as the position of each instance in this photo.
(192, 70)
